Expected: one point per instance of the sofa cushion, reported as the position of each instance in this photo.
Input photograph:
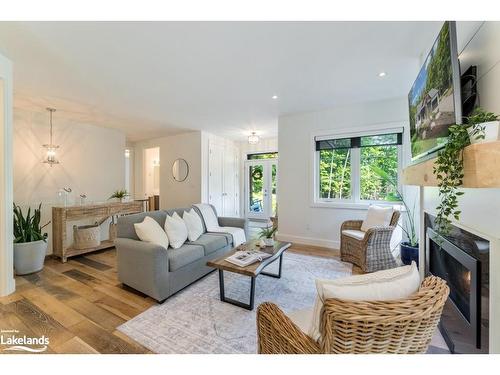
(150, 231)
(227, 236)
(377, 216)
(210, 242)
(193, 223)
(184, 255)
(176, 229)
(357, 234)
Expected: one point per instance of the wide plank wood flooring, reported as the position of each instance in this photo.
(79, 304)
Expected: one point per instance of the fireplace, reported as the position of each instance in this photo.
(462, 259)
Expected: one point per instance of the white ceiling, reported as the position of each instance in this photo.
(159, 78)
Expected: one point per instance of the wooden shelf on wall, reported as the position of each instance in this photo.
(481, 168)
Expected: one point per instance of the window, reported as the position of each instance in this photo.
(262, 155)
(357, 169)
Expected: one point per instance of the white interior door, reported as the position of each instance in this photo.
(261, 188)
(230, 182)
(215, 184)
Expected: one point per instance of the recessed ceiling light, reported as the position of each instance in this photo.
(382, 74)
(275, 97)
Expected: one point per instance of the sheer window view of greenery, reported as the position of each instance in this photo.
(256, 177)
(335, 171)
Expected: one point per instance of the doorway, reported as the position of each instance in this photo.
(261, 188)
(151, 177)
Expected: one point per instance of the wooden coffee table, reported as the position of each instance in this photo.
(253, 270)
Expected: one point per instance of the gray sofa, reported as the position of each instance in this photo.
(159, 272)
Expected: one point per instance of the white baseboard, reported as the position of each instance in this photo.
(309, 241)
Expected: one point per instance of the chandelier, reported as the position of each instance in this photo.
(51, 148)
(253, 138)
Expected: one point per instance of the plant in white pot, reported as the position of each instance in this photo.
(485, 122)
(267, 235)
(30, 244)
(120, 195)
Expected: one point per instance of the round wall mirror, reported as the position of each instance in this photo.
(180, 170)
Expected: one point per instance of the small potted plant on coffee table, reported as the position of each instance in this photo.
(30, 244)
(267, 235)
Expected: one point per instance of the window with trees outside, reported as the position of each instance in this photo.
(358, 169)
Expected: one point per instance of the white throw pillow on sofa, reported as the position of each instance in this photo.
(193, 224)
(176, 230)
(377, 216)
(391, 284)
(150, 231)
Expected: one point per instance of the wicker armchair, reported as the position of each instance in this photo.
(373, 252)
(401, 326)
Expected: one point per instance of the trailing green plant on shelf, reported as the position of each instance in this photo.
(409, 227)
(480, 116)
(449, 171)
(119, 194)
(27, 228)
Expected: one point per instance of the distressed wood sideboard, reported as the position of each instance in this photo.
(62, 215)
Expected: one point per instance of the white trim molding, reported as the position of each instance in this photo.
(7, 282)
(334, 245)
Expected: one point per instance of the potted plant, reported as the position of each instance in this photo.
(120, 195)
(449, 171)
(409, 248)
(485, 122)
(30, 244)
(267, 235)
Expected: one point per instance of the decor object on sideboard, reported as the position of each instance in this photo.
(51, 148)
(120, 195)
(485, 122)
(30, 244)
(180, 170)
(86, 236)
(409, 248)
(449, 171)
(267, 235)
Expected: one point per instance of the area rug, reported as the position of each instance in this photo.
(196, 321)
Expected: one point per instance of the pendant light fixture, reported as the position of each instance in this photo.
(253, 138)
(51, 148)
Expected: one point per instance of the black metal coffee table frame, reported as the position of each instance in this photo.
(248, 306)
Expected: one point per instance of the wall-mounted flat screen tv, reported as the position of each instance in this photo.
(434, 98)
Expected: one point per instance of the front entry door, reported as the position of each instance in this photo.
(261, 188)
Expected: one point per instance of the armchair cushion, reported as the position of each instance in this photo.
(391, 284)
(377, 216)
(304, 320)
(357, 234)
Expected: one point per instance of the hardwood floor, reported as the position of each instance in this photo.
(79, 304)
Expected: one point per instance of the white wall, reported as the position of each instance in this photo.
(299, 220)
(92, 162)
(173, 194)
